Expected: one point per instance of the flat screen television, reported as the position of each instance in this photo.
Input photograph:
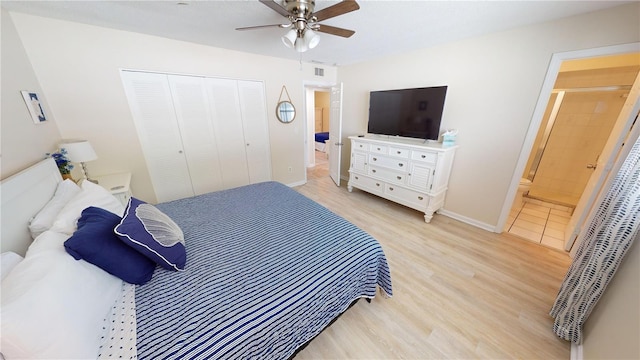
(414, 113)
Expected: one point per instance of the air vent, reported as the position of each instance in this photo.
(319, 72)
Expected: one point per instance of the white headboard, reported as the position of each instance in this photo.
(23, 195)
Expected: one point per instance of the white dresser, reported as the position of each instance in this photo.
(407, 171)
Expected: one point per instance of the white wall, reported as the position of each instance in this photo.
(494, 83)
(78, 68)
(23, 142)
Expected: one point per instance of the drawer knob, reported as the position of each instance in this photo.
(375, 159)
(378, 149)
(391, 188)
(423, 156)
(357, 178)
(377, 184)
(373, 171)
(420, 198)
(400, 164)
(399, 177)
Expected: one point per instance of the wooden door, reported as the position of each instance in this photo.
(196, 129)
(335, 134)
(226, 118)
(255, 129)
(151, 104)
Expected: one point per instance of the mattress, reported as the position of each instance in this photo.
(267, 270)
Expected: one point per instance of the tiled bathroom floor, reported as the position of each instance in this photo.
(540, 222)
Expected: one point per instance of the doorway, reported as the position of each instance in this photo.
(586, 98)
(318, 125)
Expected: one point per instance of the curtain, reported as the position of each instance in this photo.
(606, 241)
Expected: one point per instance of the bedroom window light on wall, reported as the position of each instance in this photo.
(80, 151)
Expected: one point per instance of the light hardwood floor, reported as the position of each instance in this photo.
(458, 292)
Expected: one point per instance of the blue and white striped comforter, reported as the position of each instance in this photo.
(267, 270)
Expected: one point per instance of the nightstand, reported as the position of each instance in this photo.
(117, 184)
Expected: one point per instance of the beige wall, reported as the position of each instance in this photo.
(78, 67)
(494, 83)
(321, 101)
(23, 142)
(613, 328)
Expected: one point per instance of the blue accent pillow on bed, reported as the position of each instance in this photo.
(152, 233)
(96, 243)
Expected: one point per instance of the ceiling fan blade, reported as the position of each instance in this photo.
(276, 7)
(260, 27)
(336, 10)
(335, 30)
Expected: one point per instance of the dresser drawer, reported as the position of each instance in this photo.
(357, 145)
(379, 149)
(388, 175)
(426, 156)
(409, 197)
(372, 185)
(391, 163)
(399, 152)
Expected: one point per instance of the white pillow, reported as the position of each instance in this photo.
(53, 306)
(9, 261)
(91, 195)
(43, 220)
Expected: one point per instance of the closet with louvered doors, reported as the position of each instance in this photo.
(199, 134)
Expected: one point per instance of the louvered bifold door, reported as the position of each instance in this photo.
(197, 132)
(153, 112)
(255, 128)
(225, 114)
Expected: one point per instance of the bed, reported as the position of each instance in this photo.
(267, 269)
(321, 141)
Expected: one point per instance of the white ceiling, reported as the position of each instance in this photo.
(382, 27)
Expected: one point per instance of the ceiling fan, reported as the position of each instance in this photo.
(304, 22)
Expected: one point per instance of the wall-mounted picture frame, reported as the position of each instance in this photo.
(32, 101)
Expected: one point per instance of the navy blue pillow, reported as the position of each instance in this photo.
(152, 233)
(95, 242)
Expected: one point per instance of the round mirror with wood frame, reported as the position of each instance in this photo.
(285, 112)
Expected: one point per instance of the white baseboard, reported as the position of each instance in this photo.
(576, 352)
(467, 220)
(297, 183)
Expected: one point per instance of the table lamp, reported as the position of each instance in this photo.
(80, 151)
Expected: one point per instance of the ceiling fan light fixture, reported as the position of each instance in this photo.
(311, 38)
(290, 38)
(301, 45)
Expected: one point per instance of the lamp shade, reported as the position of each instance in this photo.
(79, 150)
(289, 39)
(311, 38)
